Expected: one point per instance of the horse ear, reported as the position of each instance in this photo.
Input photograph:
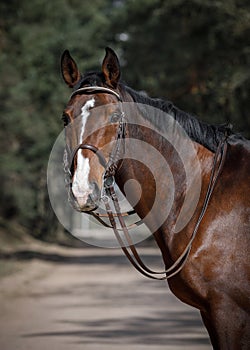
(111, 68)
(70, 72)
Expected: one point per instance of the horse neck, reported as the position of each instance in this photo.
(166, 172)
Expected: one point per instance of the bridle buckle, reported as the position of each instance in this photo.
(108, 181)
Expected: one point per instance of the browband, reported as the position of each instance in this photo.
(90, 89)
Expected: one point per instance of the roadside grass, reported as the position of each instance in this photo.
(12, 238)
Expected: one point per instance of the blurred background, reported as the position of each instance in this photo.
(195, 53)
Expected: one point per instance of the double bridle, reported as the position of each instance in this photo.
(111, 167)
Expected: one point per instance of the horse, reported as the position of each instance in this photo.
(207, 256)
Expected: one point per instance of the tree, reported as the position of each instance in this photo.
(193, 52)
(33, 37)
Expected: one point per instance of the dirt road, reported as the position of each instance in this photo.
(92, 299)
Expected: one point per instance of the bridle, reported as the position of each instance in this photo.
(111, 167)
(115, 158)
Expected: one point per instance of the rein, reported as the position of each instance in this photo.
(111, 166)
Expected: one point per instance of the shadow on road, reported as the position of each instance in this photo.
(161, 328)
(25, 255)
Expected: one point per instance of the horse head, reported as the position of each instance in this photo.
(94, 127)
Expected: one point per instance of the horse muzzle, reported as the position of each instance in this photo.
(86, 201)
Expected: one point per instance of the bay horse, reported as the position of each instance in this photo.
(210, 251)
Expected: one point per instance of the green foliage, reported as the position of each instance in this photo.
(32, 93)
(193, 52)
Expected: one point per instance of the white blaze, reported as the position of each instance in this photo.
(80, 187)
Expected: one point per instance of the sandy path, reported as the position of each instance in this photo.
(92, 299)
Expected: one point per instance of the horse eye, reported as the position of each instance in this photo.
(65, 119)
(115, 117)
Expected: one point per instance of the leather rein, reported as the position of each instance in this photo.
(126, 242)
